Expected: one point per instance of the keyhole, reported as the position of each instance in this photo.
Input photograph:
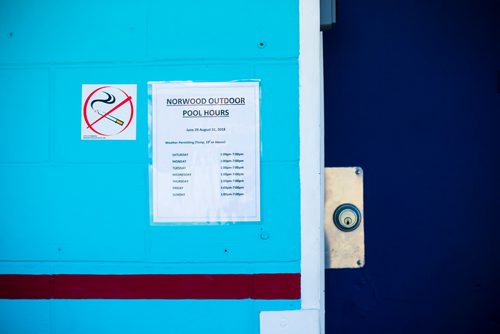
(348, 221)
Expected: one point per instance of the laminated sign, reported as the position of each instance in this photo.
(205, 152)
(108, 112)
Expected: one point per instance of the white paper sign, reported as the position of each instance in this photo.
(108, 112)
(205, 152)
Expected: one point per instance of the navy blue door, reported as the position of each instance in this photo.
(412, 95)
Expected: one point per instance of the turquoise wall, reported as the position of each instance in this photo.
(61, 213)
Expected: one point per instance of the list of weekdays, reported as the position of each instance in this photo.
(206, 152)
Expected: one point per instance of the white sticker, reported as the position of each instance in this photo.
(206, 152)
(108, 112)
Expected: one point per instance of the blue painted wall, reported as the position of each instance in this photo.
(56, 192)
(412, 95)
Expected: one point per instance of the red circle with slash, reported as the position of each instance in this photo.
(126, 102)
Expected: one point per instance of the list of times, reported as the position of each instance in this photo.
(206, 152)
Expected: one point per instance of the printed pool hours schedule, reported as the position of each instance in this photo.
(205, 152)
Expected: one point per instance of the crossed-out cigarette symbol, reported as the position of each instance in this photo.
(120, 114)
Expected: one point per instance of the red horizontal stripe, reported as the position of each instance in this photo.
(25, 286)
(271, 286)
(238, 286)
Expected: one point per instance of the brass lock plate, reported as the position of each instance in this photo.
(344, 218)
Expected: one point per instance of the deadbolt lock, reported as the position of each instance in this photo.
(347, 217)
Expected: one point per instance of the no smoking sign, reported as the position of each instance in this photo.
(108, 112)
